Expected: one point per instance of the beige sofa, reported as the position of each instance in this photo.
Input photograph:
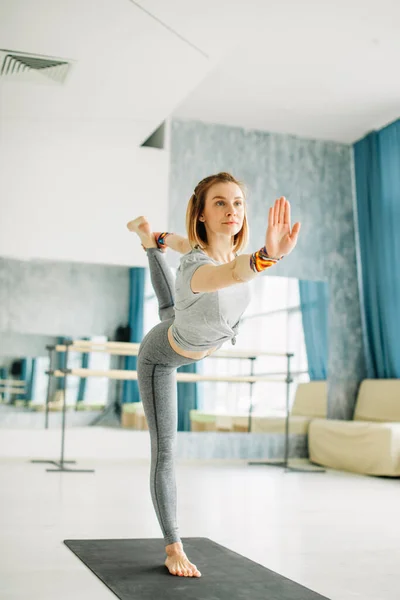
(310, 402)
(133, 416)
(370, 443)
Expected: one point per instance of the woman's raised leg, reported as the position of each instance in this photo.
(163, 283)
(160, 273)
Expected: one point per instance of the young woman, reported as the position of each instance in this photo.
(198, 314)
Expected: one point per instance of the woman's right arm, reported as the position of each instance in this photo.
(210, 278)
(280, 240)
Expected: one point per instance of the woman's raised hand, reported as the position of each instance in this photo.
(280, 239)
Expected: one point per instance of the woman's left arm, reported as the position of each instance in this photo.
(175, 242)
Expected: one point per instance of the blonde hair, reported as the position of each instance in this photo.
(196, 230)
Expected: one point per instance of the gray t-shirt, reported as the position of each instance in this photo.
(205, 319)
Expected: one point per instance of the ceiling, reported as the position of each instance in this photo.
(316, 69)
(321, 69)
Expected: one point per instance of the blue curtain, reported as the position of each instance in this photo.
(27, 375)
(3, 375)
(130, 391)
(59, 361)
(314, 305)
(30, 387)
(82, 381)
(377, 176)
(187, 397)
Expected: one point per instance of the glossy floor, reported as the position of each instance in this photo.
(335, 533)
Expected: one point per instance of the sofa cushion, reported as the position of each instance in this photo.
(360, 447)
(311, 400)
(378, 400)
(297, 425)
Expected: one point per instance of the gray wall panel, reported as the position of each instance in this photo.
(59, 298)
(316, 177)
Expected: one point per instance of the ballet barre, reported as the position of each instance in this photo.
(127, 349)
(15, 387)
(16, 382)
(132, 349)
(180, 377)
(13, 390)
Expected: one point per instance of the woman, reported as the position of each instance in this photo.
(198, 314)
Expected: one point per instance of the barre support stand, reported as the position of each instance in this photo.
(60, 464)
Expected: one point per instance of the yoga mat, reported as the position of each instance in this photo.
(134, 570)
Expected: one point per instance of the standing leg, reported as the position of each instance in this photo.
(158, 393)
(157, 363)
(163, 283)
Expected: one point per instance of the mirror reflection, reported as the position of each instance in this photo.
(285, 316)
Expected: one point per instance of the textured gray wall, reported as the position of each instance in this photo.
(316, 177)
(53, 298)
(18, 345)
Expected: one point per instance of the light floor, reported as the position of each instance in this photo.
(335, 533)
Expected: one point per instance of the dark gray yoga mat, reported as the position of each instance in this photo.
(134, 570)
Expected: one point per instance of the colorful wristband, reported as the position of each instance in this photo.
(259, 261)
(161, 239)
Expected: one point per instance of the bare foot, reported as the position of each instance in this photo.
(179, 564)
(141, 227)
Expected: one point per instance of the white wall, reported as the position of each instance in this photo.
(67, 189)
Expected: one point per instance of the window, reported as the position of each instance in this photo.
(150, 317)
(271, 323)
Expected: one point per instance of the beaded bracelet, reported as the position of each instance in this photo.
(260, 260)
(161, 239)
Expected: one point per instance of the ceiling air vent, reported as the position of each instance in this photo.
(20, 66)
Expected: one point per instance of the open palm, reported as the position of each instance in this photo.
(280, 238)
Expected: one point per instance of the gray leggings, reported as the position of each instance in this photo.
(156, 366)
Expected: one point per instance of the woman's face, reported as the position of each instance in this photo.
(224, 208)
